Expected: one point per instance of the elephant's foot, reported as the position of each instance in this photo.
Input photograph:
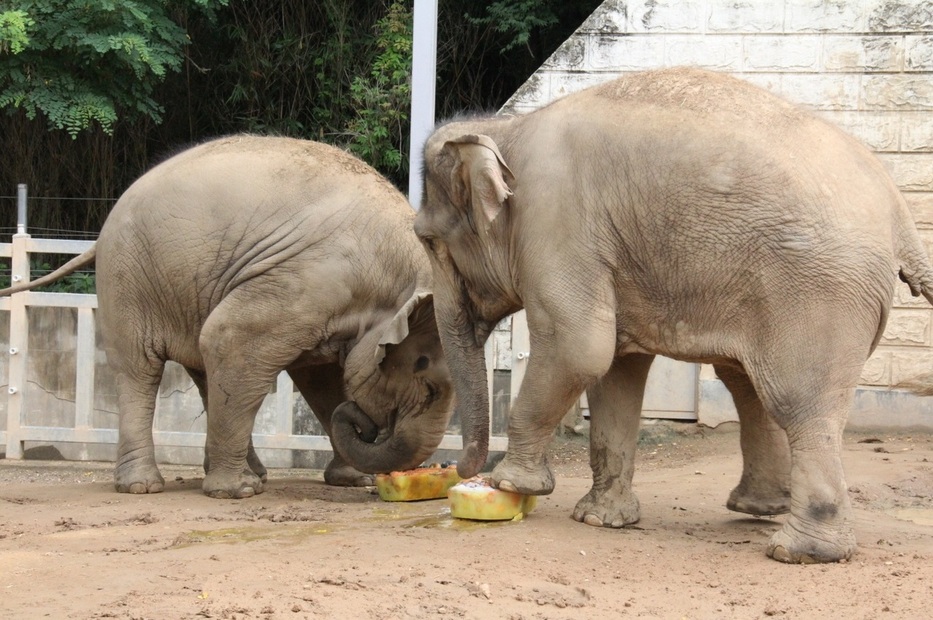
(339, 474)
(509, 476)
(608, 508)
(759, 501)
(138, 477)
(792, 545)
(252, 459)
(224, 484)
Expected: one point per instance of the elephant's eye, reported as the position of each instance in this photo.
(422, 363)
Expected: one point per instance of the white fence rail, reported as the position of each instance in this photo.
(18, 430)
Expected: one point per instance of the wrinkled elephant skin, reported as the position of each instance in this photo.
(682, 213)
(246, 256)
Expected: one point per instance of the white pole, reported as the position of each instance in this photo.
(21, 209)
(423, 77)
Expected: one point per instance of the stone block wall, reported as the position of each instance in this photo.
(866, 65)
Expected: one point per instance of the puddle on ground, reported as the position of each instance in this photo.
(428, 515)
(406, 514)
(232, 535)
(445, 521)
(920, 516)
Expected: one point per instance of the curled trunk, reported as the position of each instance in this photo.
(353, 434)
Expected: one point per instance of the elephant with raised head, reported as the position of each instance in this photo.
(246, 256)
(682, 213)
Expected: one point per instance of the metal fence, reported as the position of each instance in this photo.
(19, 430)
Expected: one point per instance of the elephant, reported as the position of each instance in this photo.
(676, 212)
(245, 256)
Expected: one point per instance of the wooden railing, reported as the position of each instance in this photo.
(19, 430)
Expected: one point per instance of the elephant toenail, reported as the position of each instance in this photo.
(593, 520)
(780, 554)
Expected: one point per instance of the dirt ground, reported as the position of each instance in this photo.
(71, 547)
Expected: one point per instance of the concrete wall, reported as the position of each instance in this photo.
(866, 65)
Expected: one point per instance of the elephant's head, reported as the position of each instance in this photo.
(463, 224)
(398, 380)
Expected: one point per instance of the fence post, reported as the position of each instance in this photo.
(521, 350)
(284, 404)
(21, 209)
(19, 332)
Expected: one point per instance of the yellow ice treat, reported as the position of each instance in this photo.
(416, 484)
(477, 499)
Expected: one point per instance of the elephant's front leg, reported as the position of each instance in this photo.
(241, 363)
(615, 413)
(252, 459)
(229, 430)
(322, 388)
(564, 360)
(200, 380)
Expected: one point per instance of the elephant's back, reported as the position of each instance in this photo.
(207, 220)
(250, 187)
(705, 134)
(244, 178)
(718, 97)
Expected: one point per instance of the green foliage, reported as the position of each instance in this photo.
(78, 282)
(383, 98)
(163, 74)
(81, 62)
(13, 31)
(518, 19)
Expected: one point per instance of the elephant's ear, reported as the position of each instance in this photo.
(397, 330)
(482, 174)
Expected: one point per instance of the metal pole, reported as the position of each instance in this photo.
(21, 209)
(423, 77)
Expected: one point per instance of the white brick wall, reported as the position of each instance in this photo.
(866, 65)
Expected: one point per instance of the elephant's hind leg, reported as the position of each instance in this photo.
(764, 488)
(810, 401)
(137, 387)
(615, 410)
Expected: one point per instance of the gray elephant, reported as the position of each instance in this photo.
(680, 213)
(246, 256)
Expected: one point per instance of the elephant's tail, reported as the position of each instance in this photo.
(913, 261)
(915, 270)
(919, 278)
(81, 260)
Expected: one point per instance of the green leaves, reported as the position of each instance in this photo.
(84, 63)
(518, 18)
(14, 35)
(382, 99)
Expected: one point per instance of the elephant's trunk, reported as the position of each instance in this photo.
(467, 362)
(473, 409)
(353, 434)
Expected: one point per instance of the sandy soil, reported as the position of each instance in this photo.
(71, 547)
